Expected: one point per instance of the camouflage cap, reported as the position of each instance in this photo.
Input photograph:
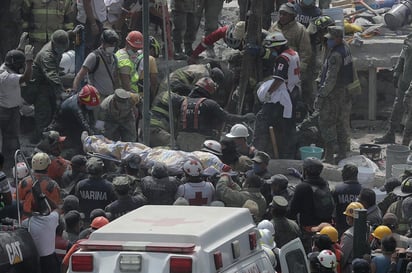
(94, 165)
(279, 179)
(279, 201)
(334, 32)
(121, 181)
(261, 157)
(121, 93)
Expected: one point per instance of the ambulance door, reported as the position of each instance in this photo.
(292, 258)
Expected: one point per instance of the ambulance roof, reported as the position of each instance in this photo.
(177, 224)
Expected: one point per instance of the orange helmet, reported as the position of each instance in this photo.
(89, 96)
(135, 39)
(98, 222)
(207, 83)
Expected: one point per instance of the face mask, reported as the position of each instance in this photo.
(274, 54)
(331, 43)
(109, 49)
(132, 54)
(257, 168)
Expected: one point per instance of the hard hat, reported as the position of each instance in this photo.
(351, 208)
(192, 167)
(60, 38)
(14, 58)
(288, 8)
(271, 255)
(266, 224)
(89, 96)
(94, 165)
(331, 232)
(327, 259)
(238, 130)
(322, 22)
(266, 238)
(231, 40)
(109, 36)
(274, 39)
(207, 84)
(312, 165)
(40, 161)
(99, 222)
(217, 75)
(68, 62)
(135, 39)
(20, 170)
(381, 231)
(154, 44)
(212, 146)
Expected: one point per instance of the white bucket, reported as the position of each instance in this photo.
(398, 169)
(366, 176)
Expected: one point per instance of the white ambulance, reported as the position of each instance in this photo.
(182, 239)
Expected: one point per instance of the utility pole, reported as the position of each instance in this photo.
(251, 63)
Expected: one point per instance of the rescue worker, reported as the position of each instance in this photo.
(131, 167)
(337, 73)
(200, 116)
(346, 241)
(73, 225)
(100, 66)
(212, 147)
(389, 186)
(6, 198)
(48, 84)
(239, 135)
(42, 18)
(306, 11)
(195, 190)
(378, 234)
(391, 221)
(159, 188)
(77, 173)
(269, 6)
(279, 97)
(288, 228)
(229, 193)
(279, 186)
(233, 158)
(76, 115)
(52, 144)
(381, 263)
(125, 201)
(302, 205)
(118, 114)
(298, 39)
(183, 79)
(94, 192)
(402, 77)
(184, 27)
(14, 72)
(40, 163)
(344, 193)
(367, 197)
(127, 59)
(403, 192)
(233, 35)
(323, 262)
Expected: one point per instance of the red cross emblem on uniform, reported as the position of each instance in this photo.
(198, 200)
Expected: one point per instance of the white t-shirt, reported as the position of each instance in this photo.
(10, 92)
(43, 232)
(99, 11)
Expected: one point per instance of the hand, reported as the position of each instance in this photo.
(250, 117)
(29, 52)
(24, 40)
(77, 28)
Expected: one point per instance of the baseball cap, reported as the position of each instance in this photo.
(261, 157)
(334, 32)
(360, 266)
(278, 179)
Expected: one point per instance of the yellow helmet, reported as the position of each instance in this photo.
(381, 231)
(331, 232)
(351, 208)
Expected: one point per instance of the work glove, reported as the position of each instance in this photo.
(24, 40)
(29, 52)
(395, 79)
(249, 117)
(77, 28)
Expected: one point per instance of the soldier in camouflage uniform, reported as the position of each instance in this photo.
(402, 76)
(48, 85)
(337, 73)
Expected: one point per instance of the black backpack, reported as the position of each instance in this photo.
(323, 203)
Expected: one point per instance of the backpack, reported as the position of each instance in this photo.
(323, 203)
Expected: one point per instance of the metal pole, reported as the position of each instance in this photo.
(360, 234)
(166, 47)
(146, 77)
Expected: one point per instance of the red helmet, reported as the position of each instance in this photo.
(89, 96)
(99, 222)
(135, 39)
(208, 84)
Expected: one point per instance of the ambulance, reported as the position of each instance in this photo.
(182, 239)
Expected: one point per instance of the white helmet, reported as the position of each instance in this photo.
(232, 37)
(238, 130)
(212, 146)
(20, 170)
(270, 255)
(192, 167)
(327, 259)
(40, 161)
(67, 62)
(266, 238)
(274, 39)
(266, 224)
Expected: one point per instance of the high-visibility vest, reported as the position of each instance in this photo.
(123, 60)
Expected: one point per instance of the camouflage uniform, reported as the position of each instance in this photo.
(48, 86)
(337, 73)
